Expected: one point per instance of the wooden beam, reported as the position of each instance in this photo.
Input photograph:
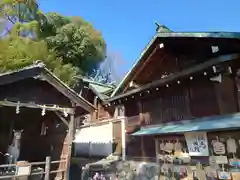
(18, 75)
(176, 76)
(66, 91)
(143, 65)
(36, 106)
(62, 118)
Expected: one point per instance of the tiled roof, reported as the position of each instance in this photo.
(102, 90)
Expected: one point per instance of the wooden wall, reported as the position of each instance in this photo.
(104, 113)
(203, 99)
(167, 106)
(34, 146)
(117, 135)
(198, 98)
(32, 90)
(194, 100)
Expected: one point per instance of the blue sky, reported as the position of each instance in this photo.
(128, 25)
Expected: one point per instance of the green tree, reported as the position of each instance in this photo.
(75, 40)
(17, 52)
(20, 10)
(2, 25)
(67, 45)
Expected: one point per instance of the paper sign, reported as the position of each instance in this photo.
(197, 143)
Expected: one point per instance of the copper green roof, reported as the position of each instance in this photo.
(175, 35)
(214, 123)
(99, 87)
(162, 28)
(102, 90)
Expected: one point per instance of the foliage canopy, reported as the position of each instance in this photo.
(18, 52)
(69, 46)
(75, 40)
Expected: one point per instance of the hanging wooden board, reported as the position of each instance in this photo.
(235, 175)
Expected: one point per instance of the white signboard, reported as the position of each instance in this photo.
(23, 170)
(197, 143)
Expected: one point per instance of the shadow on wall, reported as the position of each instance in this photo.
(93, 149)
(75, 172)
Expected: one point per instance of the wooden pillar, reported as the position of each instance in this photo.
(141, 119)
(47, 168)
(237, 91)
(90, 144)
(71, 132)
(95, 113)
(123, 133)
(226, 99)
(157, 149)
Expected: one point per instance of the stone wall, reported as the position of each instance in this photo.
(132, 170)
(128, 170)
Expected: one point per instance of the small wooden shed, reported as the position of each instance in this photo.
(35, 100)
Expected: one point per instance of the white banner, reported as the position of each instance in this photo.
(95, 140)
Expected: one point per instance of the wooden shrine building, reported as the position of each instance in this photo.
(34, 100)
(183, 89)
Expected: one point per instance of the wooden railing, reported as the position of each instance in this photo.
(141, 158)
(43, 174)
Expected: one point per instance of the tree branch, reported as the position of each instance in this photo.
(9, 19)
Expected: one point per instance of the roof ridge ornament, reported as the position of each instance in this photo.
(39, 63)
(162, 28)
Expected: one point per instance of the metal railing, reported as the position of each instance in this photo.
(8, 171)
